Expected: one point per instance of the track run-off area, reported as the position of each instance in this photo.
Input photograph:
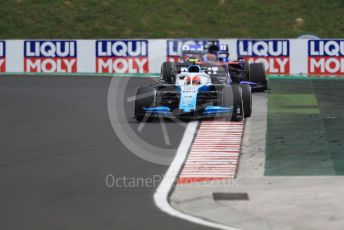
(286, 177)
(305, 127)
(66, 162)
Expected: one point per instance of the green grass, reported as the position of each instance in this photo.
(162, 18)
(305, 129)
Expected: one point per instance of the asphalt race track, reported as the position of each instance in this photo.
(57, 147)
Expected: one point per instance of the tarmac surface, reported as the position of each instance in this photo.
(60, 156)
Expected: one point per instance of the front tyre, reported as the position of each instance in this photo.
(145, 97)
(168, 72)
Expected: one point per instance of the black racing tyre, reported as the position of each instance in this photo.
(246, 71)
(238, 110)
(257, 74)
(168, 72)
(247, 99)
(227, 99)
(145, 97)
(232, 96)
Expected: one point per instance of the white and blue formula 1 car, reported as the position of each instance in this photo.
(194, 95)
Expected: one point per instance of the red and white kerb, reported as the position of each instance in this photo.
(214, 153)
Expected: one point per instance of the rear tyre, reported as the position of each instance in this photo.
(247, 99)
(168, 72)
(232, 96)
(144, 98)
(246, 71)
(257, 74)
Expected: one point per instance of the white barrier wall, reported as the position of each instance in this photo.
(280, 56)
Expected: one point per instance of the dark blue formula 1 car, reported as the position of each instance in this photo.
(194, 93)
(213, 56)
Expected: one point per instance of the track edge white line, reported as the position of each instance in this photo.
(162, 194)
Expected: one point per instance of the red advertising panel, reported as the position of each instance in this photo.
(50, 56)
(122, 56)
(274, 54)
(326, 57)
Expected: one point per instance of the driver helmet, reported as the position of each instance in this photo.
(213, 49)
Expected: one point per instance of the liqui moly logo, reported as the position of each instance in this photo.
(174, 47)
(50, 56)
(326, 57)
(122, 56)
(274, 54)
(2, 56)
